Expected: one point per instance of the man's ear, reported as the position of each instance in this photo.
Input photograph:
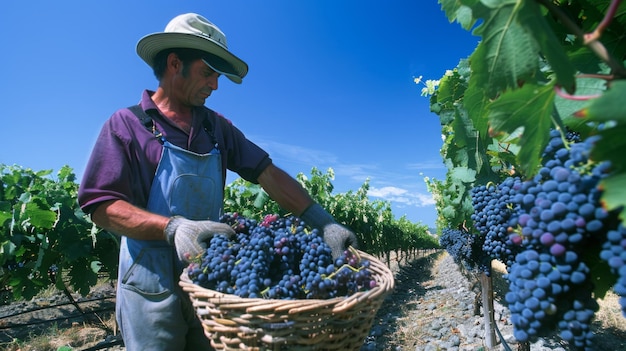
(173, 61)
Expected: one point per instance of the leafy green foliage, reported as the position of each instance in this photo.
(531, 108)
(539, 65)
(43, 229)
(249, 199)
(465, 150)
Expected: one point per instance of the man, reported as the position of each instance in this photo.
(156, 176)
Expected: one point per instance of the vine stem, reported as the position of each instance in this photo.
(608, 18)
(559, 89)
(594, 45)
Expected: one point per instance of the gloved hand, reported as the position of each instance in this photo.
(338, 237)
(189, 237)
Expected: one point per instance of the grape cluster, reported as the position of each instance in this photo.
(465, 248)
(560, 217)
(542, 228)
(548, 293)
(278, 258)
(494, 216)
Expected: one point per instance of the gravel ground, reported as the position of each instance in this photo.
(433, 308)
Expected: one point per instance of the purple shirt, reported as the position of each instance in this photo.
(126, 154)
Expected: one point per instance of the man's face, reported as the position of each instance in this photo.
(195, 83)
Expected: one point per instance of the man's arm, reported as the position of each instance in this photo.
(188, 237)
(285, 190)
(121, 217)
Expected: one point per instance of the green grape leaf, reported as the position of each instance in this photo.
(451, 88)
(261, 199)
(4, 216)
(456, 11)
(448, 212)
(514, 36)
(507, 55)
(38, 216)
(584, 86)
(611, 147)
(82, 277)
(476, 103)
(75, 249)
(603, 279)
(96, 266)
(469, 146)
(463, 174)
(550, 46)
(7, 251)
(614, 193)
(609, 106)
(530, 107)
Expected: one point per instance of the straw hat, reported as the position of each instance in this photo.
(193, 31)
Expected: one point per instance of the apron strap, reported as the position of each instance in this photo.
(146, 121)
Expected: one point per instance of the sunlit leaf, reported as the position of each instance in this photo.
(464, 174)
(40, 217)
(459, 12)
(530, 107)
(507, 53)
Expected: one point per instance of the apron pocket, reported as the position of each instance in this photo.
(151, 274)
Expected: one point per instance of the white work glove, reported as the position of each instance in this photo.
(190, 237)
(338, 237)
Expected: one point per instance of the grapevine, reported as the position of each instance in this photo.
(44, 231)
(552, 226)
(532, 139)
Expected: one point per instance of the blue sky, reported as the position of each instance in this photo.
(330, 83)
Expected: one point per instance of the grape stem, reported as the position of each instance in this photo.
(560, 92)
(330, 276)
(355, 253)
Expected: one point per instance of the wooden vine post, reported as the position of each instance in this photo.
(488, 313)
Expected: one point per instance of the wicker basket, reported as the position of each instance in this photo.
(342, 323)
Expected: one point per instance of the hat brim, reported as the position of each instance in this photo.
(150, 45)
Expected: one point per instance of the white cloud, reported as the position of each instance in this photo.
(402, 196)
(387, 191)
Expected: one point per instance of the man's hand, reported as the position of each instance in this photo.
(189, 237)
(339, 238)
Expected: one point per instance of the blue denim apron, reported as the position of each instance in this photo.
(151, 309)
